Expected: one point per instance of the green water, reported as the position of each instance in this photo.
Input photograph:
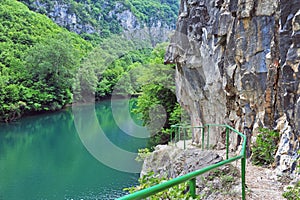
(42, 157)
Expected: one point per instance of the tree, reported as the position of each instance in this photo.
(158, 104)
(109, 67)
(54, 64)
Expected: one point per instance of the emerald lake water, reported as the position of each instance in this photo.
(43, 156)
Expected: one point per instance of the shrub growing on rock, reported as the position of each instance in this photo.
(263, 152)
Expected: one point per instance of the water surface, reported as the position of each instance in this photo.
(42, 157)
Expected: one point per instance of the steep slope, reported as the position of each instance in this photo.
(238, 62)
(151, 19)
(30, 45)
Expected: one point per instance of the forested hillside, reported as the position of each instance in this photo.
(37, 61)
(101, 17)
(44, 67)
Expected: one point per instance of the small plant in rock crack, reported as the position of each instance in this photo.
(228, 175)
(227, 179)
(263, 152)
(219, 181)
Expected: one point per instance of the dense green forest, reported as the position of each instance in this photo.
(102, 14)
(38, 60)
(121, 68)
(111, 63)
(44, 67)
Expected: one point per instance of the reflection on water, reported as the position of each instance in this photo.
(42, 157)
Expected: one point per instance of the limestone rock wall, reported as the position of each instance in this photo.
(238, 63)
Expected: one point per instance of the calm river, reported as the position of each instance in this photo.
(43, 158)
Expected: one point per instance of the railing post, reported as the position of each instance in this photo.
(176, 134)
(207, 145)
(172, 129)
(227, 142)
(192, 184)
(184, 137)
(202, 145)
(243, 162)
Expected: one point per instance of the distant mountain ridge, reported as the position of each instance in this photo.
(151, 19)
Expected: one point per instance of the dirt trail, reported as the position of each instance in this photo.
(262, 184)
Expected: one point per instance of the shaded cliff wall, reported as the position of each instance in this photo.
(238, 63)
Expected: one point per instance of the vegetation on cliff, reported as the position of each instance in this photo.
(263, 152)
(157, 102)
(101, 15)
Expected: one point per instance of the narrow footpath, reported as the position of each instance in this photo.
(262, 183)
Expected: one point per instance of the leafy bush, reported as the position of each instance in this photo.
(176, 192)
(293, 192)
(264, 150)
(143, 154)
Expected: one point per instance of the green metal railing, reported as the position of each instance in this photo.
(191, 177)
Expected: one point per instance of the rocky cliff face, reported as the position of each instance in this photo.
(238, 63)
(156, 31)
(111, 16)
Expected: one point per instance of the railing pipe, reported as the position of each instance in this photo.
(181, 179)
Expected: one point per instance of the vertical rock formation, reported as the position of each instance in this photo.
(238, 63)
